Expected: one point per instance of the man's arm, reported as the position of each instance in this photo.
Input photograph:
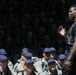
(73, 52)
(67, 63)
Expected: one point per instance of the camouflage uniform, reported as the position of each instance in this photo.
(4, 69)
(52, 65)
(23, 72)
(10, 65)
(41, 65)
(18, 67)
(59, 72)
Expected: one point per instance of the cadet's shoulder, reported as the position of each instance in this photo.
(39, 62)
(9, 62)
(46, 72)
(35, 59)
(17, 65)
(59, 72)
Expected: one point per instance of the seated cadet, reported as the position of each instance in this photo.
(4, 66)
(60, 61)
(28, 68)
(41, 65)
(10, 64)
(20, 63)
(34, 58)
(24, 50)
(53, 52)
(52, 70)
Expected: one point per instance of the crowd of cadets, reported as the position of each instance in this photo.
(32, 24)
(28, 64)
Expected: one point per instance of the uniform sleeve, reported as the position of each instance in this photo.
(38, 66)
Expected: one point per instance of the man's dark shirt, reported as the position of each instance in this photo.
(70, 39)
(71, 34)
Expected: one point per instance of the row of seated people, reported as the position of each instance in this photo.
(27, 64)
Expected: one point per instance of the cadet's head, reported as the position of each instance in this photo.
(72, 13)
(25, 49)
(46, 53)
(61, 59)
(51, 64)
(28, 65)
(26, 55)
(53, 52)
(3, 61)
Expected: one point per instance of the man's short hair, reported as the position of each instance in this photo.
(74, 5)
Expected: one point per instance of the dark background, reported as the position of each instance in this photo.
(33, 24)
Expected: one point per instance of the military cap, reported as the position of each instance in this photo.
(46, 50)
(25, 49)
(2, 51)
(29, 62)
(61, 56)
(51, 60)
(27, 54)
(52, 49)
(3, 57)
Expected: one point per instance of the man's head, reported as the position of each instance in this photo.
(72, 13)
(28, 65)
(25, 55)
(51, 64)
(3, 61)
(46, 53)
(53, 52)
(61, 59)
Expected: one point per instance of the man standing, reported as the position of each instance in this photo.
(70, 37)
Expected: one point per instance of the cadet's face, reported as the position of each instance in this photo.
(61, 61)
(52, 66)
(29, 67)
(23, 58)
(3, 64)
(52, 54)
(46, 55)
(72, 13)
